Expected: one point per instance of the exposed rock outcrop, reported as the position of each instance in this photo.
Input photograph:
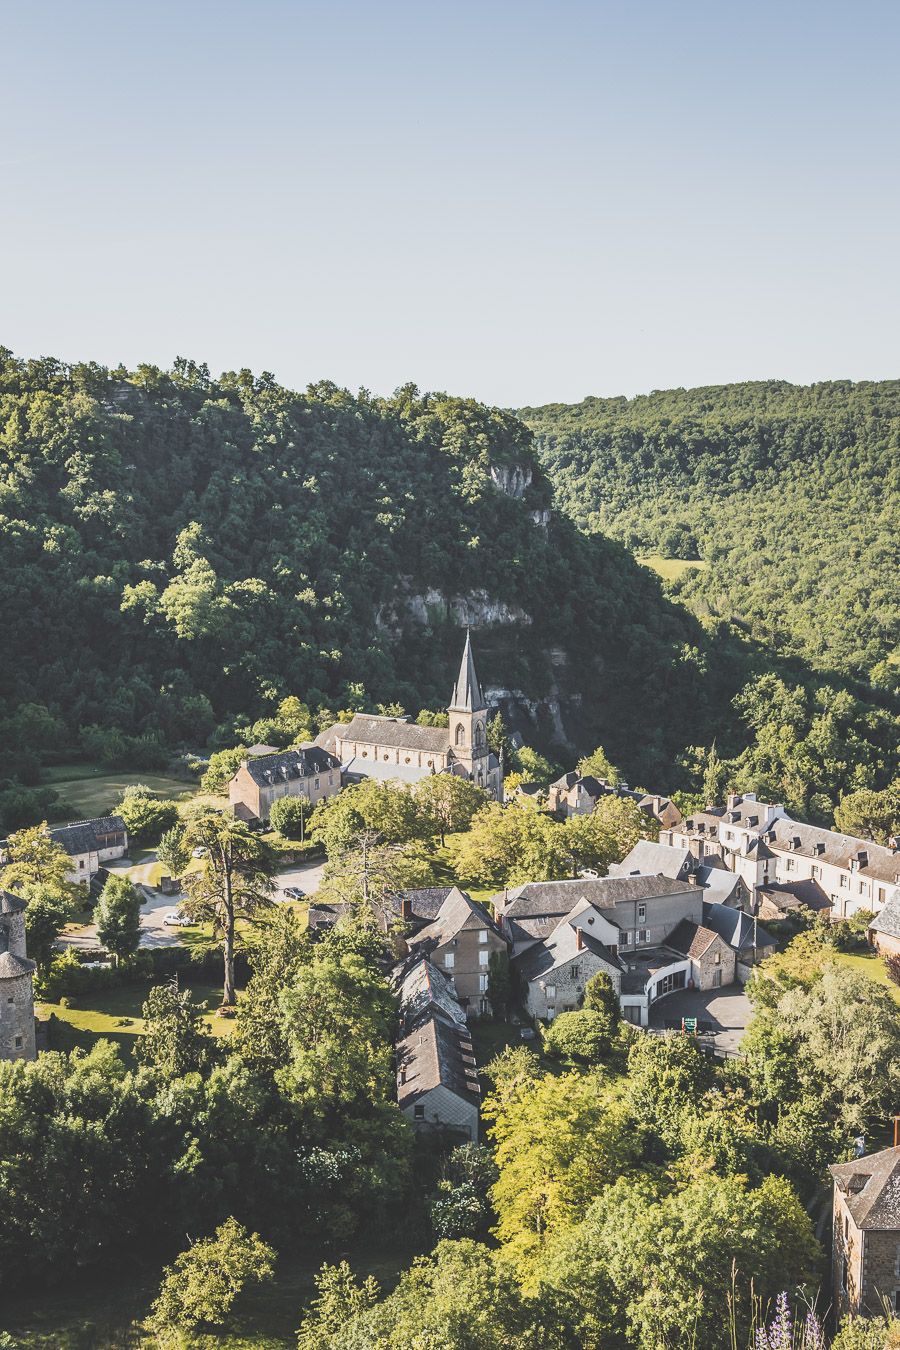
(513, 479)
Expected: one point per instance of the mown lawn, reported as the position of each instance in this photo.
(87, 790)
(869, 963)
(115, 1015)
(670, 569)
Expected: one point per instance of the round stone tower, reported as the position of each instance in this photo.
(16, 973)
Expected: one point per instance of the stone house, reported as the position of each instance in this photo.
(760, 842)
(460, 940)
(577, 794)
(260, 780)
(17, 1031)
(395, 748)
(437, 1078)
(90, 844)
(866, 1234)
(553, 972)
(643, 909)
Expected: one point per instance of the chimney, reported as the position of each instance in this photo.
(733, 799)
(402, 1075)
(406, 908)
(579, 940)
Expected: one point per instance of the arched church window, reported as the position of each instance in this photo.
(460, 734)
(479, 735)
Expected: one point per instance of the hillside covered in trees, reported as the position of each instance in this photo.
(179, 554)
(789, 494)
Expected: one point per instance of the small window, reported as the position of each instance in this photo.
(418, 1113)
(718, 958)
(789, 864)
(816, 871)
(846, 1226)
(482, 935)
(575, 970)
(483, 958)
(10, 1000)
(642, 913)
(483, 984)
(863, 888)
(643, 935)
(18, 1042)
(551, 994)
(449, 960)
(626, 937)
(845, 881)
(882, 894)
(81, 864)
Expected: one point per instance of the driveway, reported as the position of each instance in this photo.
(308, 876)
(156, 906)
(728, 1011)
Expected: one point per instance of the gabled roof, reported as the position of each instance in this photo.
(871, 1189)
(562, 946)
(369, 729)
(558, 897)
(875, 861)
(648, 858)
(786, 895)
(436, 1054)
(424, 903)
(888, 921)
(457, 912)
(75, 839)
(719, 884)
(289, 765)
(467, 695)
(735, 927)
(423, 992)
(691, 938)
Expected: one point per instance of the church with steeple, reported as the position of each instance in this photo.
(397, 749)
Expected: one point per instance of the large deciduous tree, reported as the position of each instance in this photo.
(118, 917)
(449, 802)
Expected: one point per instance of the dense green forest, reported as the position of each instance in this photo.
(790, 494)
(180, 553)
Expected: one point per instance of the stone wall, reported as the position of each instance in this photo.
(562, 990)
(17, 1039)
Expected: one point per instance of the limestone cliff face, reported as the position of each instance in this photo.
(476, 609)
(512, 479)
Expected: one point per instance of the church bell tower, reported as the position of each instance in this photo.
(468, 721)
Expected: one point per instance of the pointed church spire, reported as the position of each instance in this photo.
(467, 691)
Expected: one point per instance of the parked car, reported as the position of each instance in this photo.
(175, 919)
(526, 1033)
(295, 893)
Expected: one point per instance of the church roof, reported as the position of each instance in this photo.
(467, 693)
(368, 729)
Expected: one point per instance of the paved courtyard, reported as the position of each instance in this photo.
(727, 1011)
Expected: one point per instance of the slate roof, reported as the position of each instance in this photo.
(691, 938)
(643, 964)
(719, 884)
(747, 813)
(13, 967)
(356, 767)
(75, 839)
(290, 765)
(888, 921)
(368, 729)
(735, 927)
(424, 992)
(467, 691)
(871, 1189)
(787, 895)
(458, 911)
(560, 948)
(558, 897)
(648, 858)
(11, 904)
(424, 903)
(881, 863)
(436, 1054)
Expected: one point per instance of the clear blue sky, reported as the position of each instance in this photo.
(521, 201)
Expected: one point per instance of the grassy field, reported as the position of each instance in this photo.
(115, 1015)
(670, 569)
(87, 790)
(872, 965)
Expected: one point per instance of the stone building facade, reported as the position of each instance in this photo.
(460, 941)
(866, 1245)
(17, 1032)
(308, 772)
